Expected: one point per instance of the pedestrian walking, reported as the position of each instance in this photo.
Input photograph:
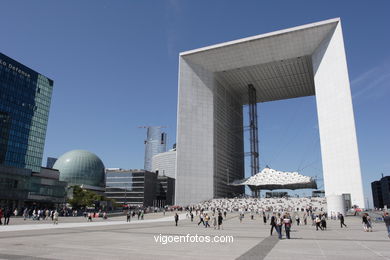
(341, 217)
(241, 216)
(278, 225)
(366, 221)
(7, 216)
(176, 218)
(214, 221)
(273, 223)
(297, 219)
(128, 216)
(220, 219)
(201, 219)
(55, 218)
(287, 225)
(323, 222)
(207, 219)
(386, 219)
(317, 221)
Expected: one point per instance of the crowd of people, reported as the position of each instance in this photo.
(286, 204)
(36, 214)
(278, 212)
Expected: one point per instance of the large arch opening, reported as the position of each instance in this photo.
(213, 82)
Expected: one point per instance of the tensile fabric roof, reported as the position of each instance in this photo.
(270, 179)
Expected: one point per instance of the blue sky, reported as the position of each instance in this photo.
(115, 67)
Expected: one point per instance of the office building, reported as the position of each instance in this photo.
(165, 191)
(131, 187)
(24, 188)
(155, 143)
(215, 82)
(381, 192)
(165, 164)
(25, 97)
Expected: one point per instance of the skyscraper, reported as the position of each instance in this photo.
(155, 143)
(25, 97)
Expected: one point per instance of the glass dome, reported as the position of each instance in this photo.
(79, 167)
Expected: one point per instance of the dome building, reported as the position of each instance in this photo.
(82, 168)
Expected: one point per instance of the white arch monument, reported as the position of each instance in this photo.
(213, 87)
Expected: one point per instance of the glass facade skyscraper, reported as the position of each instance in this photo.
(155, 143)
(25, 97)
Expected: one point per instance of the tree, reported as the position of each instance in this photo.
(85, 198)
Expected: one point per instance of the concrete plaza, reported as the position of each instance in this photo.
(74, 238)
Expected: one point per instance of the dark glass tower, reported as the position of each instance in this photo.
(25, 97)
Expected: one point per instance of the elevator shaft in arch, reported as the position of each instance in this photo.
(254, 139)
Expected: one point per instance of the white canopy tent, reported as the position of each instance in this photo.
(270, 179)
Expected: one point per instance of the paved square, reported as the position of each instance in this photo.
(75, 238)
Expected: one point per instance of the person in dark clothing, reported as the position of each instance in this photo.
(341, 217)
(273, 223)
(323, 222)
(220, 219)
(386, 219)
(201, 219)
(128, 216)
(365, 222)
(7, 216)
(1, 215)
(176, 218)
(264, 218)
(287, 225)
(318, 223)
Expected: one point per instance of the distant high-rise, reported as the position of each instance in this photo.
(155, 143)
(50, 162)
